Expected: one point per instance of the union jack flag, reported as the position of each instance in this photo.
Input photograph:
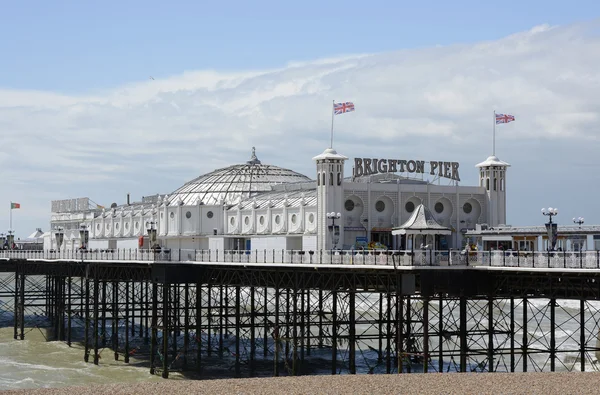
(340, 108)
(504, 118)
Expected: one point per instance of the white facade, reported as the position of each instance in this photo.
(264, 207)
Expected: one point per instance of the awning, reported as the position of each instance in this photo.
(497, 238)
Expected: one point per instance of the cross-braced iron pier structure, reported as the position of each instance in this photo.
(253, 318)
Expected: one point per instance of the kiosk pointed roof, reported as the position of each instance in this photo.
(421, 222)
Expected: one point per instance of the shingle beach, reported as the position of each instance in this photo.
(467, 383)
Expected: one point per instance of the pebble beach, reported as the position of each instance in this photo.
(467, 383)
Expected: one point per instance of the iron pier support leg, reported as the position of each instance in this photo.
(441, 334)
(410, 337)
(381, 332)
(186, 323)
(582, 334)
(199, 326)
(209, 319)
(352, 331)
(295, 329)
(308, 316)
(552, 334)
(252, 329)
(69, 304)
(400, 334)
(463, 333)
(166, 327)
(512, 334)
(490, 350)
(17, 305)
(276, 332)
(334, 332)
(133, 310)
(238, 322)
(302, 323)
(96, 313)
(175, 288)
(147, 311)
(86, 352)
(103, 333)
(525, 340)
(22, 304)
(388, 333)
(115, 319)
(126, 352)
(320, 318)
(266, 323)
(221, 316)
(154, 328)
(425, 334)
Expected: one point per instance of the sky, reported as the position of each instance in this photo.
(103, 99)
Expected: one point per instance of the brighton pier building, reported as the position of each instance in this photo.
(256, 206)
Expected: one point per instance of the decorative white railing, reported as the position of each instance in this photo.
(560, 259)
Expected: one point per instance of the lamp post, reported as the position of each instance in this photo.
(152, 234)
(59, 234)
(333, 229)
(579, 221)
(11, 239)
(84, 235)
(2, 240)
(551, 227)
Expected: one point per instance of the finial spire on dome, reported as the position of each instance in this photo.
(253, 159)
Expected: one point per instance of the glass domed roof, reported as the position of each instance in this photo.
(231, 184)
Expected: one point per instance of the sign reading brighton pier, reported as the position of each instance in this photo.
(366, 166)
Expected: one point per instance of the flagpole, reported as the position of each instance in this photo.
(494, 136)
(10, 223)
(332, 113)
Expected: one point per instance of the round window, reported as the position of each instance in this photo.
(380, 206)
(161, 215)
(97, 226)
(439, 207)
(127, 226)
(209, 214)
(188, 215)
(293, 218)
(137, 225)
(147, 224)
(262, 220)
(277, 219)
(232, 221)
(247, 220)
(172, 215)
(349, 205)
(410, 207)
(117, 226)
(311, 218)
(107, 226)
(467, 208)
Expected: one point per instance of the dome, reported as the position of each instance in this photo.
(230, 185)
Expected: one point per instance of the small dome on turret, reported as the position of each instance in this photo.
(492, 161)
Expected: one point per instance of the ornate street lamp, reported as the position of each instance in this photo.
(10, 239)
(551, 227)
(334, 229)
(152, 234)
(60, 235)
(2, 240)
(84, 235)
(579, 221)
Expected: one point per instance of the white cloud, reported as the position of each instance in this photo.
(151, 136)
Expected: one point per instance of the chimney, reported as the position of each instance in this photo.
(128, 199)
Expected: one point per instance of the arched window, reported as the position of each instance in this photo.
(330, 178)
(487, 184)
(495, 183)
(318, 179)
(323, 179)
(502, 184)
(339, 178)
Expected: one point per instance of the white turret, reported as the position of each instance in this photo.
(330, 198)
(492, 176)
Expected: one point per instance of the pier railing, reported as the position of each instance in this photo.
(525, 259)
